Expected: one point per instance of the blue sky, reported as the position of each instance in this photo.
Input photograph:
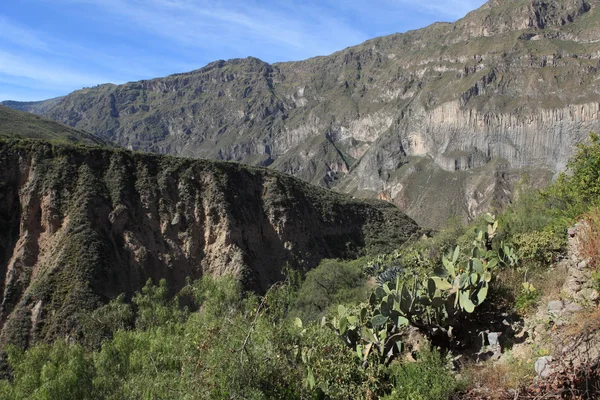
(49, 48)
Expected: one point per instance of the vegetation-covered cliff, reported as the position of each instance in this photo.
(80, 225)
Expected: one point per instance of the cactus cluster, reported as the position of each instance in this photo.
(369, 333)
(432, 304)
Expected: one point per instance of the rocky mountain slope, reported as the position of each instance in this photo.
(18, 124)
(80, 225)
(452, 111)
(36, 107)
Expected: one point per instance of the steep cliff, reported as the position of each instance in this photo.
(80, 225)
(516, 81)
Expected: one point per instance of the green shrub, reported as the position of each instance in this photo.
(529, 212)
(337, 371)
(538, 249)
(140, 364)
(332, 282)
(596, 279)
(426, 379)
(237, 354)
(579, 188)
(153, 306)
(526, 300)
(103, 322)
(60, 371)
(433, 245)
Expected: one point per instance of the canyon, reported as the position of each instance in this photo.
(500, 96)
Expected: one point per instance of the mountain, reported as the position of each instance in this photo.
(20, 124)
(79, 225)
(36, 107)
(440, 121)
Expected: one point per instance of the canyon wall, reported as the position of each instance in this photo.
(81, 225)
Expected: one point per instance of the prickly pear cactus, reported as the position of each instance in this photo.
(375, 330)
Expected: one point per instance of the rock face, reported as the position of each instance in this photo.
(80, 225)
(507, 90)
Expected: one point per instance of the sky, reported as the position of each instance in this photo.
(49, 48)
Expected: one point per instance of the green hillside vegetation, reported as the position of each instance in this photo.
(332, 333)
(24, 125)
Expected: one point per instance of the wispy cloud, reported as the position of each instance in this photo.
(241, 26)
(44, 45)
(18, 35)
(35, 65)
(39, 70)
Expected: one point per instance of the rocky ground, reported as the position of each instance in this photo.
(560, 340)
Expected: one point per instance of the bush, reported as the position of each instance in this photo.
(332, 282)
(154, 308)
(434, 245)
(337, 371)
(530, 212)
(45, 372)
(596, 279)
(236, 352)
(539, 249)
(526, 300)
(579, 188)
(426, 379)
(101, 324)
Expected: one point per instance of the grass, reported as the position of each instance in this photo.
(587, 321)
(500, 377)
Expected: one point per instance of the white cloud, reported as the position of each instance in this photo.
(37, 62)
(15, 34)
(242, 26)
(38, 69)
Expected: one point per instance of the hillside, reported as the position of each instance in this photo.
(35, 107)
(505, 308)
(505, 91)
(80, 225)
(20, 124)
